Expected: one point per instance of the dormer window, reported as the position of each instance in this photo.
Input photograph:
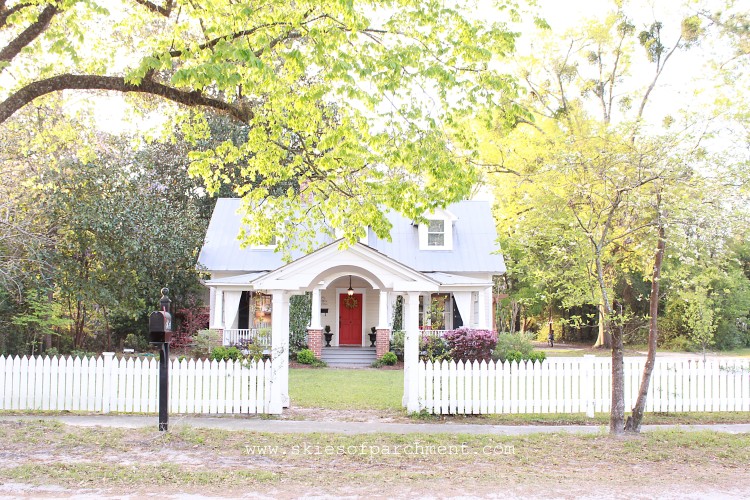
(436, 233)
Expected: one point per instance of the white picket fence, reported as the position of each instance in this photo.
(128, 385)
(580, 385)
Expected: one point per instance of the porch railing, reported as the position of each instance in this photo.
(238, 336)
(433, 333)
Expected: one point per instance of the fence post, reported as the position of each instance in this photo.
(107, 380)
(587, 391)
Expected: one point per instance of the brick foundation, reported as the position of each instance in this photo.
(382, 342)
(315, 341)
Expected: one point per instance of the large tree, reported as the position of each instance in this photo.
(351, 97)
(591, 171)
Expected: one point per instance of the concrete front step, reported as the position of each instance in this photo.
(348, 356)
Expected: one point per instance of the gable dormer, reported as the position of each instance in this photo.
(437, 232)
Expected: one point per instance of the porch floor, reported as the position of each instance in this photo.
(348, 356)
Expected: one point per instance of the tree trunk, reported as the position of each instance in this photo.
(617, 413)
(634, 421)
(605, 338)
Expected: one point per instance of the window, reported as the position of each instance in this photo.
(436, 233)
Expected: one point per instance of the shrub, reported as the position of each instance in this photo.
(76, 353)
(512, 342)
(306, 357)
(537, 356)
(465, 344)
(434, 348)
(389, 359)
(512, 356)
(52, 352)
(682, 344)
(222, 353)
(397, 344)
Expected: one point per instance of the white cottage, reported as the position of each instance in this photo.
(442, 269)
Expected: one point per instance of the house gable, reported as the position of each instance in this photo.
(331, 262)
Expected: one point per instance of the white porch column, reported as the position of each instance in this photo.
(482, 306)
(315, 310)
(279, 352)
(411, 351)
(383, 323)
(488, 309)
(211, 306)
(218, 315)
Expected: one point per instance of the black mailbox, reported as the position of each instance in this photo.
(159, 327)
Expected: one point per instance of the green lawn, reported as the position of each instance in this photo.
(347, 389)
(369, 389)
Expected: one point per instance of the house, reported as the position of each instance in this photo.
(442, 270)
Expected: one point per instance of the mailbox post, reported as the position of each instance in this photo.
(160, 333)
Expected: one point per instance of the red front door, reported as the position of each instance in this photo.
(350, 319)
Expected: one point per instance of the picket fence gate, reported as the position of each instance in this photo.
(580, 385)
(130, 385)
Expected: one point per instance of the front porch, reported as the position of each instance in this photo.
(353, 292)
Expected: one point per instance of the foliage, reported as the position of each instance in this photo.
(512, 343)
(331, 92)
(77, 353)
(299, 317)
(204, 342)
(512, 356)
(41, 317)
(466, 344)
(189, 320)
(222, 353)
(434, 348)
(397, 343)
(136, 341)
(387, 359)
(398, 314)
(307, 357)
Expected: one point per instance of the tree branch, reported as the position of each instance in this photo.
(40, 88)
(29, 34)
(5, 13)
(165, 11)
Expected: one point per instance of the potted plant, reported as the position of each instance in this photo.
(328, 335)
(373, 336)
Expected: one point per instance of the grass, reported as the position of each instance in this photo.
(211, 461)
(347, 389)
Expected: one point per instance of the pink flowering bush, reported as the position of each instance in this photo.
(467, 344)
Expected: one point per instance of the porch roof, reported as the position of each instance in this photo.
(242, 279)
(456, 280)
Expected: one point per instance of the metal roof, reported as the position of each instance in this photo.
(474, 243)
